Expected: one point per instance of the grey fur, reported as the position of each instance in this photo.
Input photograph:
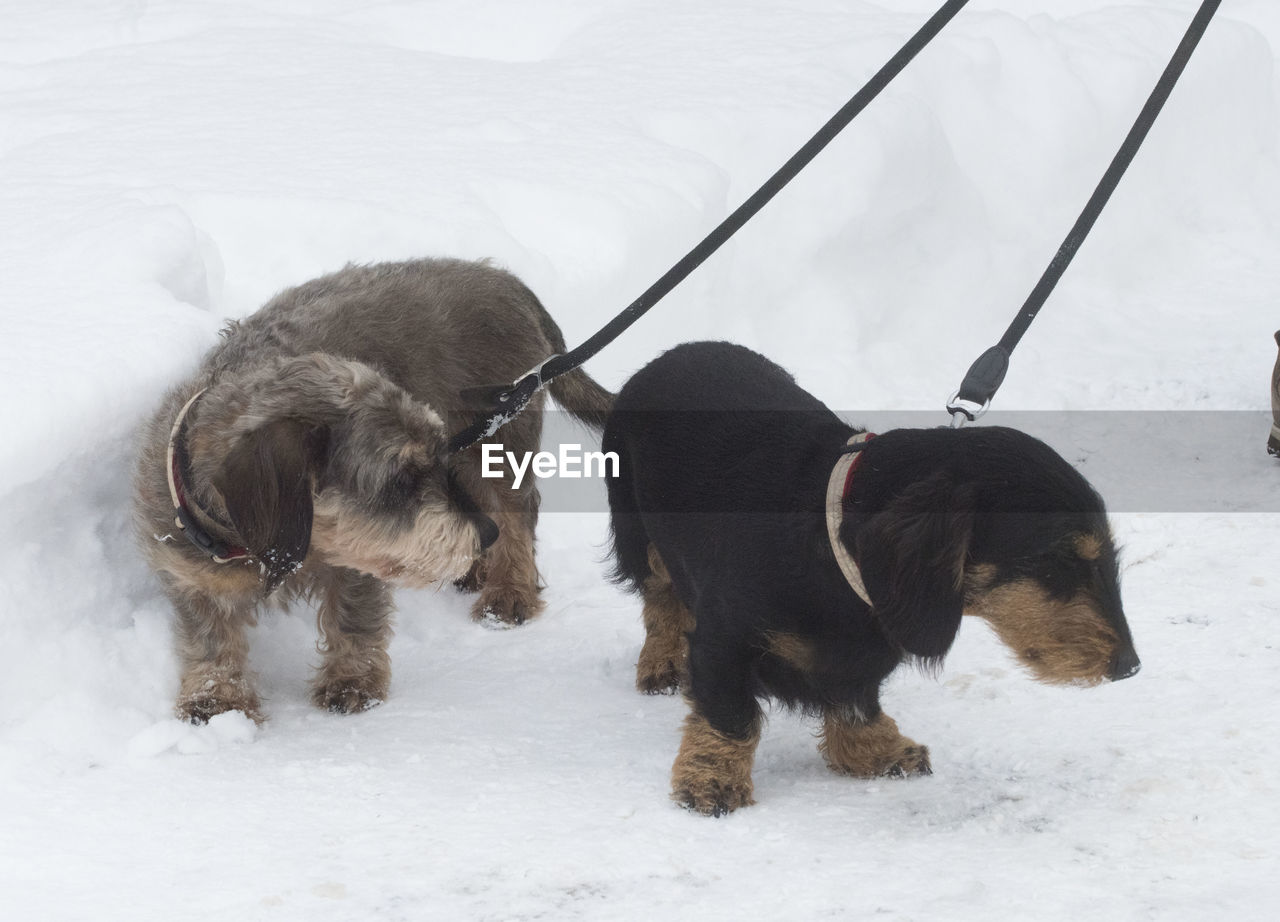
(319, 444)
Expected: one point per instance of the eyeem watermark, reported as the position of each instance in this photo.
(571, 462)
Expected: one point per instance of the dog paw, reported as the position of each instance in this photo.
(199, 708)
(205, 695)
(500, 620)
(347, 696)
(504, 611)
(712, 796)
(663, 679)
(902, 762)
(873, 749)
(913, 760)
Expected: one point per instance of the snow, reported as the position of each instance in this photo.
(165, 166)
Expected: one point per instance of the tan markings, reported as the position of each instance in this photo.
(1060, 642)
(978, 579)
(1089, 547)
(712, 772)
(667, 623)
(869, 750)
(792, 649)
(657, 566)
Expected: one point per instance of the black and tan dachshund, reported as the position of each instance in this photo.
(783, 554)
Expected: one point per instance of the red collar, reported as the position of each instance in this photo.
(856, 451)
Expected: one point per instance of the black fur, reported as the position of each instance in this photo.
(724, 469)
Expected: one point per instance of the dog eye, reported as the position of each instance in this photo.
(1063, 573)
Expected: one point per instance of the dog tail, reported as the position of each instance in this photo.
(583, 397)
(630, 539)
(574, 390)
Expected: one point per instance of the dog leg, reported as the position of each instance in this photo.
(355, 629)
(510, 591)
(712, 771)
(869, 749)
(214, 652)
(667, 623)
(474, 580)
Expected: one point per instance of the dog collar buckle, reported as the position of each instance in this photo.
(218, 551)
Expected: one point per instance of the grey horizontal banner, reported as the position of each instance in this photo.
(1140, 461)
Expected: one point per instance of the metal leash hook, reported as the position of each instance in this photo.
(507, 402)
(965, 411)
(980, 384)
(513, 398)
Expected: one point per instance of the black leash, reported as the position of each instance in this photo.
(986, 374)
(508, 400)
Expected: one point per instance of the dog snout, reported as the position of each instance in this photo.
(1124, 664)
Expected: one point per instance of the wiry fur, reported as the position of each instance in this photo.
(319, 444)
(712, 771)
(870, 748)
(666, 622)
(719, 523)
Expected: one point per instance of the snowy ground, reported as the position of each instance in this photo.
(164, 166)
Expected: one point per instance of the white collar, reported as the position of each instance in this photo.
(835, 512)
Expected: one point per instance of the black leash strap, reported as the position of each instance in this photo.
(986, 374)
(508, 401)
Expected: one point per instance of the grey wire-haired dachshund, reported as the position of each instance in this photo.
(308, 456)
(783, 554)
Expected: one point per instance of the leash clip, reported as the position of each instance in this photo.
(535, 372)
(980, 384)
(965, 411)
(499, 404)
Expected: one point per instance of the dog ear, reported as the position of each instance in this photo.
(912, 557)
(265, 483)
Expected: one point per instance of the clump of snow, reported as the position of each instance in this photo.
(168, 166)
(181, 736)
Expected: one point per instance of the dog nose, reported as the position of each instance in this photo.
(1124, 664)
(486, 530)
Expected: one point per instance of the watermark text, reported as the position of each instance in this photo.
(570, 462)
